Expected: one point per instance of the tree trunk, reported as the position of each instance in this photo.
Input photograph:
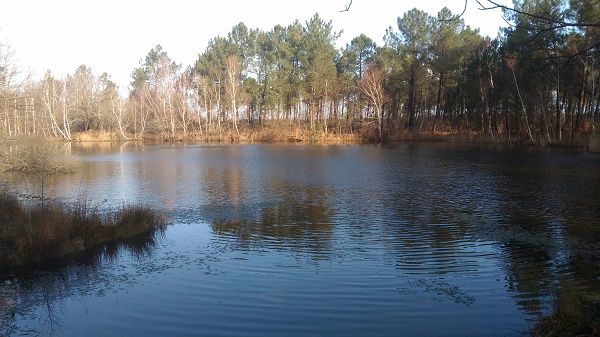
(438, 105)
(411, 101)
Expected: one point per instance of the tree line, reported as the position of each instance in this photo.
(537, 82)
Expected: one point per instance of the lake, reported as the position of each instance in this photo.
(319, 240)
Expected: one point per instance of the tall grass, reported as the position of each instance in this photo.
(33, 233)
(574, 314)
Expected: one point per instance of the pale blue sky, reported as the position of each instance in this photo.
(113, 35)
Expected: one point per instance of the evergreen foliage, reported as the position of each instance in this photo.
(537, 82)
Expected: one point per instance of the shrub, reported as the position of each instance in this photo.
(32, 233)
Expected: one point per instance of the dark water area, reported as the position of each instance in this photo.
(320, 240)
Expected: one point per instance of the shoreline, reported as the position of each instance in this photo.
(588, 142)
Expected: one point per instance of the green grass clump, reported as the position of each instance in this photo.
(574, 314)
(34, 232)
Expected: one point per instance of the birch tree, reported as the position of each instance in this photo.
(371, 85)
(155, 80)
(233, 89)
(14, 119)
(55, 104)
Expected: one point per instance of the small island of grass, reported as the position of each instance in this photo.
(35, 232)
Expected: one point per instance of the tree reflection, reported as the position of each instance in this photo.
(300, 221)
(37, 292)
(225, 185)
(539, 210)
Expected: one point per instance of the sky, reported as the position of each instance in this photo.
(113, 36)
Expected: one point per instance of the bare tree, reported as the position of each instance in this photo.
(117, 110)
(371, 85)
(81, 88)
(233, 88)
(13, 120)
(181, 93)
(55, 100)
(205, 99)
(37, 158)
(511, 62)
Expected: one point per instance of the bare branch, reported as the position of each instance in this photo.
(457, 16)
(347, 7)
(559, 23)
(568, 57)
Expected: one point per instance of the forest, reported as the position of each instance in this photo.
(537, 82)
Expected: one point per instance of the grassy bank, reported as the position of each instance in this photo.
(576, 313)
(32, 232)
(285, 132)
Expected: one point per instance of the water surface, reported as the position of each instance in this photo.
(321, 240)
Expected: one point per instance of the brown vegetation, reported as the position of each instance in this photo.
(31, 233)
(575, 314)
(358, 132)
(33, 155)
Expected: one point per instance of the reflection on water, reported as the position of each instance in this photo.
(37, 293)
(299, 219)
(345, 240)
